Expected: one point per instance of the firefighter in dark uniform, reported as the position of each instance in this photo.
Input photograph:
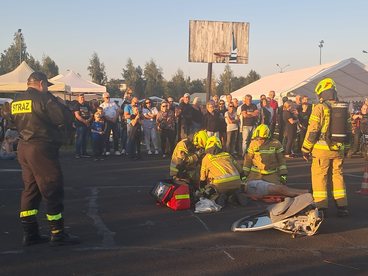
(40, 119)
(327, 140)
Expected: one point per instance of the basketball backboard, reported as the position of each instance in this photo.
(218, 41)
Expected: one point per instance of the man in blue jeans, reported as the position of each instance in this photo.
(249, 113)
(83, 119)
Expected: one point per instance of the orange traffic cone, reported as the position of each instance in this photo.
(364, 188)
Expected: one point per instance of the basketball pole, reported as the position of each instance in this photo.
(209, 81)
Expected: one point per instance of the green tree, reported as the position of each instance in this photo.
(12, 57)
(113, 87)
(49, 67)
(154, 80)
(178, 85)
(97, 70)
(133, 77)
(237, 83)
(224, 83)
(213, 85)
(34, 63)
(252, 77)
(196, 86)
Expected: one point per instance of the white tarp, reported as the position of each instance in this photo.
(350, 75)
(79, 85)
(16, 80)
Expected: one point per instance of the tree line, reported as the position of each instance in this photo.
(145, 82)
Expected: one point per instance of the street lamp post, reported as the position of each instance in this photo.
(320, 45)
(20, 45)
(282, 67)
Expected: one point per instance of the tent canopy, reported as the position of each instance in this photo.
(77, 84)
(16, 80)
(350, 76)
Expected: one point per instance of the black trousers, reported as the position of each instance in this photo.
(98, 145)
(42, 177)
(115, 135)
(167, 135)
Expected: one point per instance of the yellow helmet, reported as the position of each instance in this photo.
(213, 141)
(324, 85)
(261, 131)
(200, 139)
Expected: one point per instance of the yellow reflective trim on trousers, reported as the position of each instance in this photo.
(54, 217)
(184, 196)
(246, 169)
(28, 213)
(280, 150)
(227, 179)
(339, 193)
(322, 194)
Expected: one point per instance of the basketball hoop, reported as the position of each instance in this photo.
(222, 57)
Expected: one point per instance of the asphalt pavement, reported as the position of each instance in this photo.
(123, 232)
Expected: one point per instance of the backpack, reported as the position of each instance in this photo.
(175, 195)
(338, 123)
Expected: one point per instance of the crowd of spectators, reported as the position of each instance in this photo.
(126, 127)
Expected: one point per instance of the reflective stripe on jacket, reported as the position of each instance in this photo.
(220, 168)
(183, 155)
(265, 161)
(318, 126)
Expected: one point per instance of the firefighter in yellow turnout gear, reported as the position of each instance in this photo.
(187, 156)
(221, 172)
(327, 152)
(265, 161)
(264, 167)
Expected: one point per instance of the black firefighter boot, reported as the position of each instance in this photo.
(59, 236)
(31, 234)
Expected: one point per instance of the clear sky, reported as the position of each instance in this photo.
(284, 32)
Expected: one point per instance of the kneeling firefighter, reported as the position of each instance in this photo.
(186, 157)
(327, 140)
(264, 159)
(221, 174)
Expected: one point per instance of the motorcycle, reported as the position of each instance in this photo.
(297, 216)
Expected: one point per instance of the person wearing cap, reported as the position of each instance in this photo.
(111, 114)
(326, 148)
(40, 119)
(83, 119)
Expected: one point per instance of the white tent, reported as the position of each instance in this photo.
(79, 85)
(16, 80)
(350, 76)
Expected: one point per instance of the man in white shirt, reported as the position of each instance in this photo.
(111, 113)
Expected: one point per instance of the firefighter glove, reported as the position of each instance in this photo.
(243, 177)
(306, 156)
(283, 179)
